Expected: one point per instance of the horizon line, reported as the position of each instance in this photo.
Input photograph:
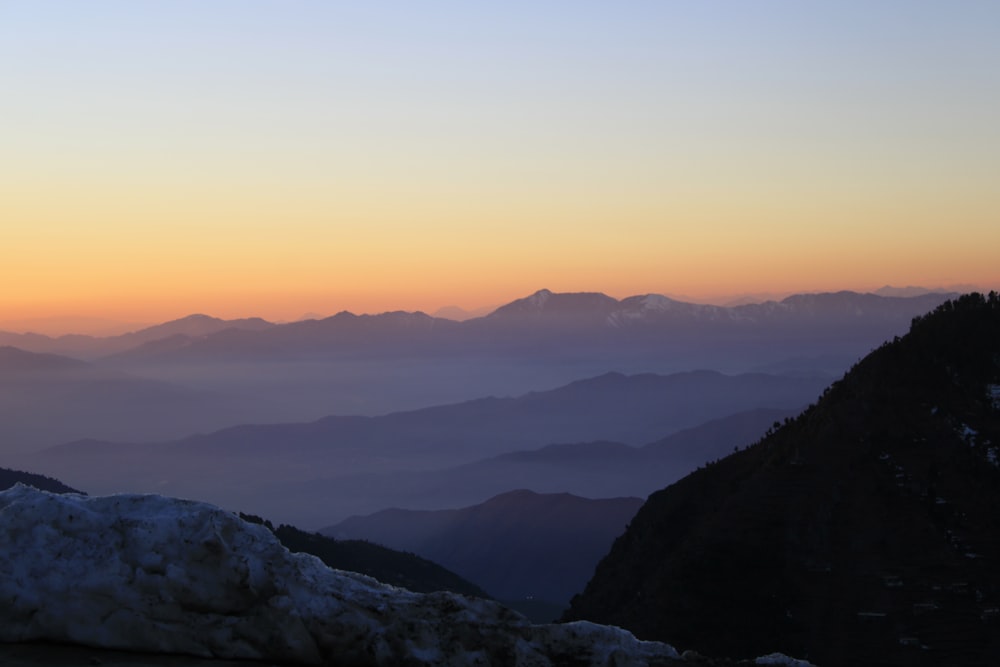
(110, 326)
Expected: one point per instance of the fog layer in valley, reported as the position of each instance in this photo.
(336, 414)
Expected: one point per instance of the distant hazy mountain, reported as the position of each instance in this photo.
(47, 398)
(630, 409)
(392, 335)
(392, 362)
(14, 360)
(591, 469)
(519, 545)
(865, 531)
(59, 326)
(91, 347)
(649, 332)
(565, 324)
(912, 290)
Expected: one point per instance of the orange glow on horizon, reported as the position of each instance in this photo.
(351, 162)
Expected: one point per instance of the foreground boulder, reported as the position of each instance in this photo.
(149, 573)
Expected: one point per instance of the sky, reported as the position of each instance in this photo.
(265, 158)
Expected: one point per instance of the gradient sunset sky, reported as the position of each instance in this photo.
(245, 157)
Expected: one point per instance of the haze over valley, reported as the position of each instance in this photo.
(406, 393)
(519, 497)
(532, 334)
(208, 373)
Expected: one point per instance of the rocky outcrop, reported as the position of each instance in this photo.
(150, 573)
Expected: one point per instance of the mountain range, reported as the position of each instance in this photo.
(560, 323)
(860, 530)
(518, 546)
(599, 469)
(864, 531)
(291, 471)
(567, 327)
(211, 373)
(93, 347)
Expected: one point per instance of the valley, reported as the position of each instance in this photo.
(526, 495)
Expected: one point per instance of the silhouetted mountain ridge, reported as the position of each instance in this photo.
(863, 531)
(13, 360)
(389, 566)
(517, 545)
(89, 347)
(600, 469)
(571, 325)
(9, 478)
(613, 407)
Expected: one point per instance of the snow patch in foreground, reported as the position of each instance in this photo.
(150, 573)
(782, 660)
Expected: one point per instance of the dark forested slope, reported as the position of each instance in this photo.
(9, 478)
(865, 531)
(389, 566)
(518, 545)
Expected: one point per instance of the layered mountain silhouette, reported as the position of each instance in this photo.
(518, 546)
(569, 327)
(269, 469)
(570, 322)
(370, 365)
(865, 531)
(92, 347)
(46, 399)
(600, 469)
(15, 360)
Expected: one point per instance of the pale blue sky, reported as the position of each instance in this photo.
(710, 129)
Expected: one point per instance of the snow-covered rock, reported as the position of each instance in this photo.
(782, 660)
(150, 573)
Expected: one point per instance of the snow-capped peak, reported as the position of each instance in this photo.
(539, 298)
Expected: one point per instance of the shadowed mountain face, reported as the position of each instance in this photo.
(406, 570)
(519, 545)
(863, 532)
(269, 469)
(389, 566)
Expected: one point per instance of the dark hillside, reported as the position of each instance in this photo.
(865, 531)
(519, 545)
(9, 478)
(398, 568)
(389, 566)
